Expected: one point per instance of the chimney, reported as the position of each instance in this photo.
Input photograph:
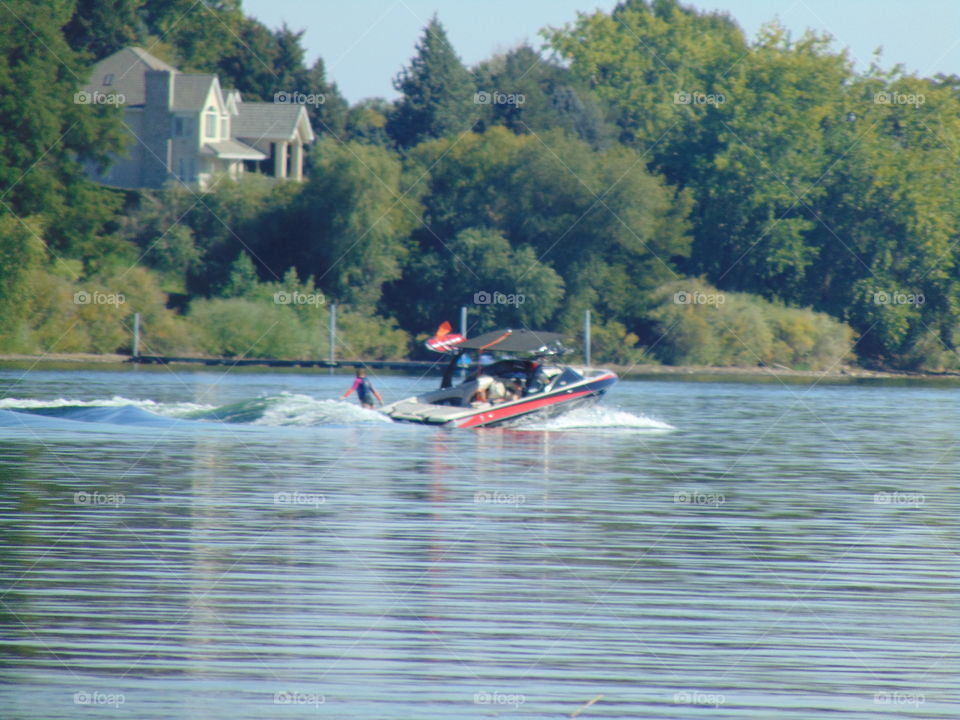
(157, 119)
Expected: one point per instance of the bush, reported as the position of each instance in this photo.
(699, 325)
(370, 338)
(237, 327)
(95, 314)
(610, 342)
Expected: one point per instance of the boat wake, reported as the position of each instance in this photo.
(281, 410)
(285, 409)
(597, 417)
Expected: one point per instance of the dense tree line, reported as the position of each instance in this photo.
(644, 162)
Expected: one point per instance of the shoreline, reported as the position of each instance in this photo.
(848, 372)
(844, 372)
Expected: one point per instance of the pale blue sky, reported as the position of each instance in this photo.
(365, 43)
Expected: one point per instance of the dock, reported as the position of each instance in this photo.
(402, 365)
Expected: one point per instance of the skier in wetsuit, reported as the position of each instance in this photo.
(365, 391)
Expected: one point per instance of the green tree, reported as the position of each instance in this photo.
(437, 92)
(346, 226)
(20, 253)
(48, 136)
(528, 93)
(99, 28)
(503, 286)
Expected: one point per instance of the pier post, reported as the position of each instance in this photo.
(333, 334)
(136, 335)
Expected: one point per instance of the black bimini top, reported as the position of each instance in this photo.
(513, 341)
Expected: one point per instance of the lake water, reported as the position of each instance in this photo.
(241, 545)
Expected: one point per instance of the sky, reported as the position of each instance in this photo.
(365, 43)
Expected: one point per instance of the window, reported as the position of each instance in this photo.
(223, 128)
(210, 122)
(108, 79)
(210, 129)
(178, 127)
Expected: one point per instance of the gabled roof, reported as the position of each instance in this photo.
(153, 62)
(271, 121)
(190, 92)
(123, 72)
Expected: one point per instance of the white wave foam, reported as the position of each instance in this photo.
(166, 409)
(273, 410)
(598, 417)
(292, 409)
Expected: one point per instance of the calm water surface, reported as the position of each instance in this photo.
(243, 546)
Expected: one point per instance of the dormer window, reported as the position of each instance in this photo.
(210, 120)
(108, 79)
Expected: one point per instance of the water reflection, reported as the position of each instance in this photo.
(405, 572)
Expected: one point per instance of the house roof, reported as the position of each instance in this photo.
(190, 92)
(123, 72)
(232, 150)
(271, 121)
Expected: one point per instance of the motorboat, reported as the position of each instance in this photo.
(526, 381)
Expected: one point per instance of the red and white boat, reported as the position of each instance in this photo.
(505, 391)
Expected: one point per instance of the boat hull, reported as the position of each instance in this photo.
(546, 404)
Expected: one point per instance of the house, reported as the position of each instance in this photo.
(186, 128)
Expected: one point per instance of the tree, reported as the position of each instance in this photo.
(559, 205)
(99, 28)
(20, 253)
(48, 136)
(346, 226)
(437, 92)
(479, 268)
(527, 93)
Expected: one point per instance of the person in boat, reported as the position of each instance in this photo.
(482, 395)
(489, 390)
(365, 391)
